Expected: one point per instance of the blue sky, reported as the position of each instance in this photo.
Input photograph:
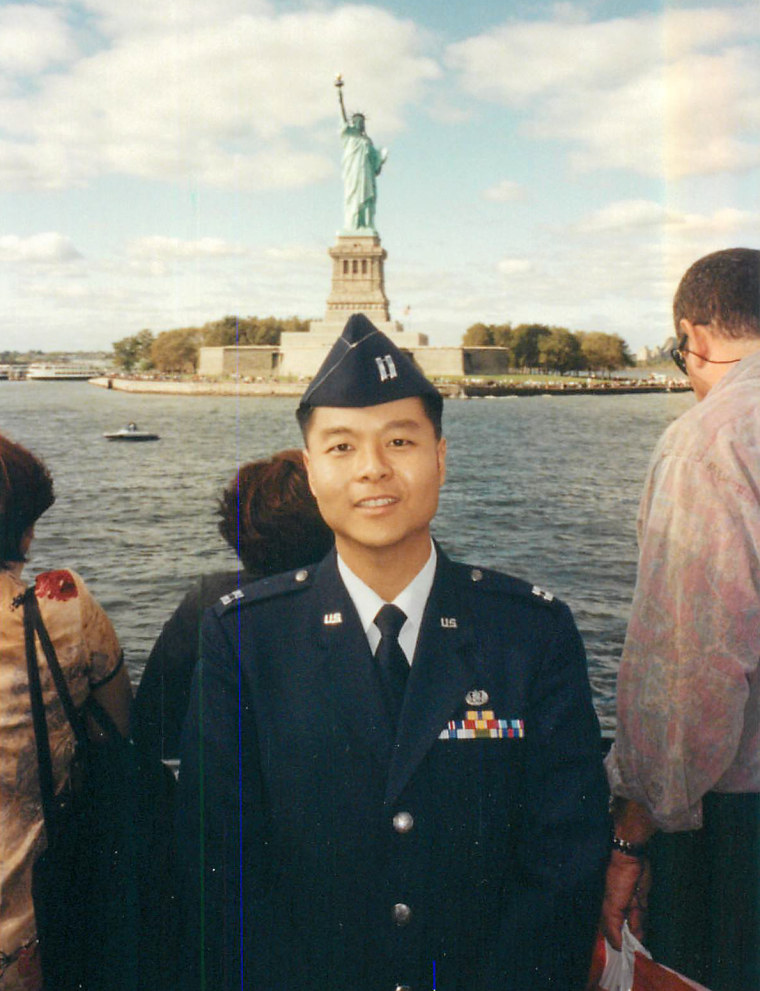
(163, 165)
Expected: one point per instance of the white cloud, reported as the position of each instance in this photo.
(676, 92)
(223, 93)
(32, 38)
(514, 266)
(296, 253)
(49, 248)
(625, 217)
(171, 248)
(140, 17)
(504, 191)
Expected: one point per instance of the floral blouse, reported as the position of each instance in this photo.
(688, 693)
(90, 655)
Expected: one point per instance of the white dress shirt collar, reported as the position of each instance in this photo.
(412, 600)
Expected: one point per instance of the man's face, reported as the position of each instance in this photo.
(375, 473)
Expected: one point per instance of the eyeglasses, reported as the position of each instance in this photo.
(677, 354)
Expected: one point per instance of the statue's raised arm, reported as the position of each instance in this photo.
(362, 162)
(339, 86)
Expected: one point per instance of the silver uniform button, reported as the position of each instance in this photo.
(476, 574)
(403, 822)
(401, 914)
(301, 575)
(403, 987)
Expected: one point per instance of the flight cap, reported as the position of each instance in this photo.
(365, 368)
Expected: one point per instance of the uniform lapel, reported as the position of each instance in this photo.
(441, 675)
(351, 677)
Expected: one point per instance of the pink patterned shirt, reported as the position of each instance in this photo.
(688, 695)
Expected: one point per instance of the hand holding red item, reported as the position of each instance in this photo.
(632, 969)
(625, 897)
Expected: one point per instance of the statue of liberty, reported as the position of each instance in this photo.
(362, 162)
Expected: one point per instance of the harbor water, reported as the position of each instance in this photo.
(545, 488)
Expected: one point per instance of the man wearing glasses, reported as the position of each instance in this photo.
(686, 755)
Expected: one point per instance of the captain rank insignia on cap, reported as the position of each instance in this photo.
(365, 368)
(385, 367)
(332, 619)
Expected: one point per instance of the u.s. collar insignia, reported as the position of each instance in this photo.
(449, 622)
(476, 696)
(332, 619)
(542, 593)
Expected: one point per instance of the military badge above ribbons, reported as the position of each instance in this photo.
(481, 724)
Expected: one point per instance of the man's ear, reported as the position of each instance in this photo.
(700, 339)
(441, 455)
(307, 466)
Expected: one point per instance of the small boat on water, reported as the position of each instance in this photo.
(132, 433)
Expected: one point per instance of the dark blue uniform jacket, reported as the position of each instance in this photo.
(319, 851)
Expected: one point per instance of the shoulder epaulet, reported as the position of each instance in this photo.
(265, 588)
(496, 581)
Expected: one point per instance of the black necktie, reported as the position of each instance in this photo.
(393, 665)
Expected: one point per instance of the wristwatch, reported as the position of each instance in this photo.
(629, 849)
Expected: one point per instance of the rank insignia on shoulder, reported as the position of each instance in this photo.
(449, 622)
(227, 599)
(542, 594)
(332, 619)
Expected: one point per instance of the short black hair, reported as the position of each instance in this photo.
(26, 491)
(722, 290)
(432, 405)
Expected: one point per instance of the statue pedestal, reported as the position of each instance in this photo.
(358, 279)
(358, 286)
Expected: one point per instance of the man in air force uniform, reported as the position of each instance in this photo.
(391, 773)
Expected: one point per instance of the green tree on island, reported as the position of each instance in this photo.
(604, 352)
(551, 349)
(491, 335)
(478, 336)
(176, 351)
(250, 330)
(560, 350)
(133, 352)
(526, 344)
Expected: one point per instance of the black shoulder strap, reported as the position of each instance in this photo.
(33, 622)
(59, 679)
(39, 719)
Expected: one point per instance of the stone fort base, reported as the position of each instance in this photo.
(302, 354)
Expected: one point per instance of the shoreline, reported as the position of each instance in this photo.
(449, 390)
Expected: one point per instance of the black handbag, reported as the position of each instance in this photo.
(85, 883)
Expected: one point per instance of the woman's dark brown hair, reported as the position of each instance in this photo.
(270, 518)
(26, 491)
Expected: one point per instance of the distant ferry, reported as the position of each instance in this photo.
(60, 372)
